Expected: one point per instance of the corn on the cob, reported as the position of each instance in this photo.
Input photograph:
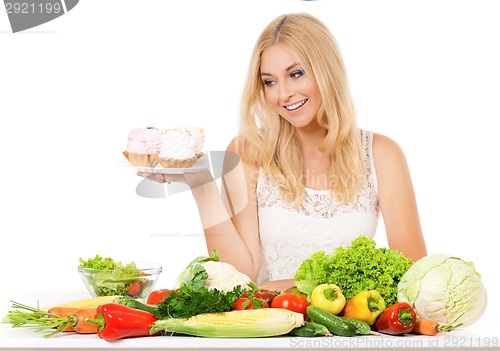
(83, 303)
(234, 324)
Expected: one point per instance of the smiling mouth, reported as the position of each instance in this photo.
(296, 105)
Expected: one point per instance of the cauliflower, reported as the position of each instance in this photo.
(224, 276)
(210, 273)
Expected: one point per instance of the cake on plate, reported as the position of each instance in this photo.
(143, 146)
(199, 136)
(180, 147)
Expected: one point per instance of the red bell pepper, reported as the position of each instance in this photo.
(397, 319)
(117, 321)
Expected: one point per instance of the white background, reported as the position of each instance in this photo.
(424, 73)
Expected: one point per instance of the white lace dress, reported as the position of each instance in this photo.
(289, 235)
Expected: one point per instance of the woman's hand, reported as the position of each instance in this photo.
(192, 179)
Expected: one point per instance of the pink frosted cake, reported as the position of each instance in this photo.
(143, 146)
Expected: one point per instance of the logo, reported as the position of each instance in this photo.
(26, 14)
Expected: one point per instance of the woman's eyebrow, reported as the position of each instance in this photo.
(287, 69)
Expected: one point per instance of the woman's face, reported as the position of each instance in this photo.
(295, 96)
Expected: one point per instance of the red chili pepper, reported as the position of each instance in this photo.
(117, 321)
(397, 319)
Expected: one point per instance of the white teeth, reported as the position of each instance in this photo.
(295, 106)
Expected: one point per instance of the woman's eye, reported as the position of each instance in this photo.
(297, 74)
(269, 83)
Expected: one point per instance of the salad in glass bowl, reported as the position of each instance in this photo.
(104, 276)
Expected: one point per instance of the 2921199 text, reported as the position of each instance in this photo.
(32, 8)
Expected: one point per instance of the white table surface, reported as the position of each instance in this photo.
(483, 333)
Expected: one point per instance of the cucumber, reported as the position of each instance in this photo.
(362, 327)
(133, 303)
(333, 323)
(310, 329)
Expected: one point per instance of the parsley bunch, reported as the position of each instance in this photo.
(359, 267)
(189, 302)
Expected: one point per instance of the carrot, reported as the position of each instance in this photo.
(60, 318)
(426, 327)
(430, 327)
(63, 312)
(76, 317)
(81, 326)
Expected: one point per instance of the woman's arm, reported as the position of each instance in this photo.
(397, 200)
(278, 285)
(230, 221)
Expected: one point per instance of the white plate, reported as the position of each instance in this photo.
(201, 164)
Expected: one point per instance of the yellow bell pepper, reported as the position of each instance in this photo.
(328, 297)
(366, 306)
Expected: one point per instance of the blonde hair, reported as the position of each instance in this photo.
(269, 141)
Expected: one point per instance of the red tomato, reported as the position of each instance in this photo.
(294, 290)
(246, 303)
(134, 288)
(291, 302)
(266, 295)
(157, 296)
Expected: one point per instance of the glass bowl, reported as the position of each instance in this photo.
(134, 279)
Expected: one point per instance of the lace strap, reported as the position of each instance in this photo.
(368, 153)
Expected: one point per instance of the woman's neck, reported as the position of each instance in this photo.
(316, 163)
(310, 138)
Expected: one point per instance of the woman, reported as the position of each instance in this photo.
(307, 178)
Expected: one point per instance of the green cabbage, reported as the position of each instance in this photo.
(445, 289)
(359, 267)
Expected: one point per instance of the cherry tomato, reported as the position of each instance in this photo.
(134, 289)
(247, 303)
(157, 296)
(291, 302)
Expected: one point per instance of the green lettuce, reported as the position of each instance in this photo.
(108, 277)
(359, 267)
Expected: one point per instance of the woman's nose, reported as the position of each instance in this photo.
(286, 92)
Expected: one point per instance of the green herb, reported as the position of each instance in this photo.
(189, 302)
(359, 267)
(109, 277)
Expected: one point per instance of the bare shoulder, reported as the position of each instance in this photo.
(384, 145)
(387, 153)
